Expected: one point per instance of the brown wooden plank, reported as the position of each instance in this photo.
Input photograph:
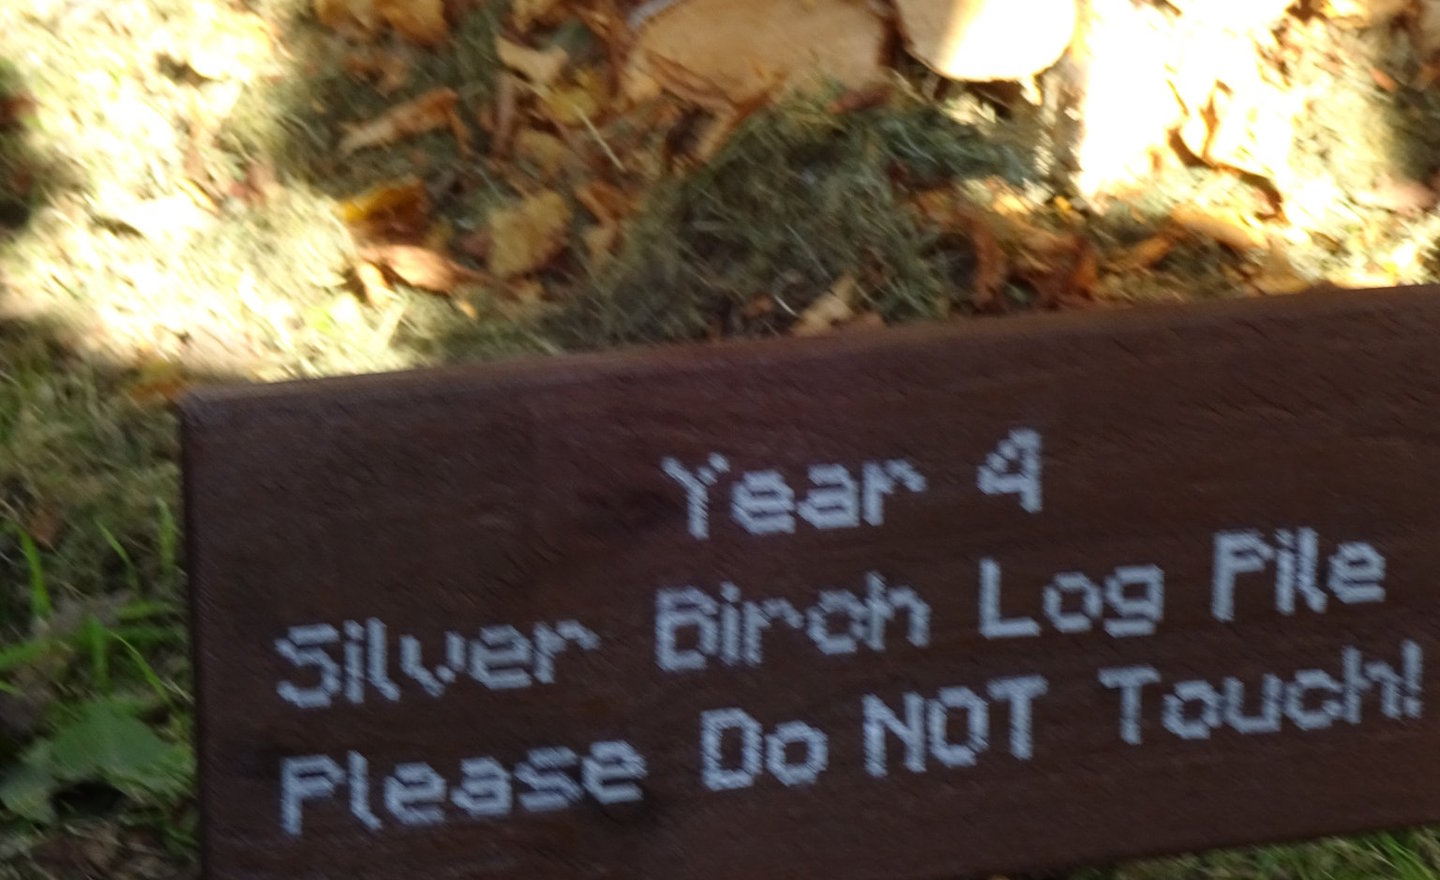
(1294, 443)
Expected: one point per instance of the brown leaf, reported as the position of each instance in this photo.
(1220, 224)
(463, 141)
(862, 98)
(387, 71)
(600, 241)
(1277, 276)
(475, 245)
(354, 18)
(1064, 273)
(421, 267)
(419, 21)
(374, 289)
(541, 68)
(158, 383)
(1144, 254)
(45, 524)
(507, 115)
(428, 112)
(527, 236)
(399, 210)
(605, 201)
(13, 108)
(991, 267)
(527, 13)
(831, 309)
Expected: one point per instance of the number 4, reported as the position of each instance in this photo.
(1014, 469)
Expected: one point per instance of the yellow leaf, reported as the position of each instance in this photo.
(396, 210)
(547, 153)
(831, 309)
(527, 236)
(539, 67)
(575, 104)
(374, 289)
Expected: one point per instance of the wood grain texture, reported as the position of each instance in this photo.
(532, 491)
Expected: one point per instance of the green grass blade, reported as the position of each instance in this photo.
(22, 654)
(40, 604)
(132, 574)
(96, 640)
(146, 670)
(145, 609)
(167, 542)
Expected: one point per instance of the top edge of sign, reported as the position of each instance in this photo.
(534, 370)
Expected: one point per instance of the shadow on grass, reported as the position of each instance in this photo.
(799, 198)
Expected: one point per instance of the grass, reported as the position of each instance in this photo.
(100, 323)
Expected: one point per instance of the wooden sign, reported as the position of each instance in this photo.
(911, 604)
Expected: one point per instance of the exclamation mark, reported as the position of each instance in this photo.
(1412, 659)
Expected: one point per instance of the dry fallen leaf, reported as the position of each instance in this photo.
(1278, 277)
(355, 18)
(714, 52)
(388, 71)
(525, 290)
(507, 115)
(991, 267)
(1143, 255)
(863, 98)
(46, 522)
(527, 13)
(600, 241)
(399, 210)
(545, 152)
(421, 267)
(528, 235)
(540, 67)
(987, 39)
(581, 102)
(604, 200)
(1220, 224)
(1062, 270)
(419, 21)
(13, 107)
(428, 112)
(374, 289)
(1398, 195)
(831, 309)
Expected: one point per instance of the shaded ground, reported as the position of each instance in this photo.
(169, 184)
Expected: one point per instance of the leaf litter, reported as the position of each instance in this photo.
(614, 107)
